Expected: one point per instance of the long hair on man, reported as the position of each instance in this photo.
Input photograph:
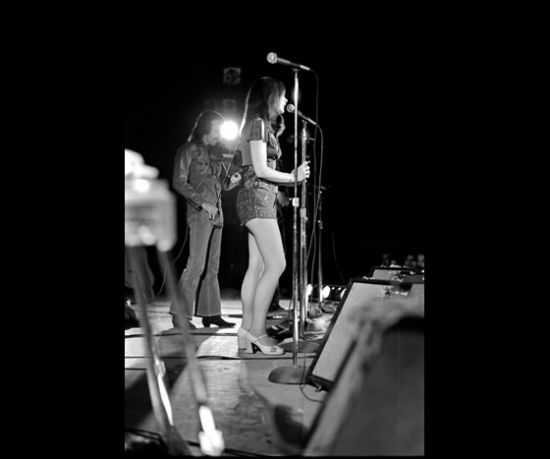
(203, 124)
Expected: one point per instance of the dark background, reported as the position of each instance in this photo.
(171, 60)
(432, 171)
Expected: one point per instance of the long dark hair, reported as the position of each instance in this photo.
(203, 124)
(262, 100)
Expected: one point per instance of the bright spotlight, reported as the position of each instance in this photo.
(309, 289)
(229, 130)
(325, 292)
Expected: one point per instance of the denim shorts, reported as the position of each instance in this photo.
(256, 202)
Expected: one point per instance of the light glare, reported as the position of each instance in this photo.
(229, 130)
(142, 185)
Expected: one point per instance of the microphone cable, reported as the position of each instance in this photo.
(175, 259)
(158, 440)
(317, 179)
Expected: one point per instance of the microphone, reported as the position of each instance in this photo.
(272, 58)
(290, 108)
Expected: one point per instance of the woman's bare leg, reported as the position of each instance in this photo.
(250, 281)
(267, 237)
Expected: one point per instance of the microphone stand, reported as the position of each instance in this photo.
(156, 372)
(149, 222)
(210, 438)
(296, 374)
(303, 344)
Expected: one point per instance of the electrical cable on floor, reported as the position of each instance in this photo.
(207, 357)
(302, 386)
(237, 452)
(150, 435)
(223, 357)
(159, 335)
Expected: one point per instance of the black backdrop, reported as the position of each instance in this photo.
(70, 144)
(170, 59)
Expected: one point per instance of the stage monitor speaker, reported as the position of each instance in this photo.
(386, 273)
(417, 289)
(338, 338)
(376, 406)
(413, 278)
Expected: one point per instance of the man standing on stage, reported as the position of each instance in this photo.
(198, 177)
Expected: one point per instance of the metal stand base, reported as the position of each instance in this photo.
(288, 375)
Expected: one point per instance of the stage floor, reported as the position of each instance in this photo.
(242, 398)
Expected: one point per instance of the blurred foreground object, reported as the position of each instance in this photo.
(135, 167)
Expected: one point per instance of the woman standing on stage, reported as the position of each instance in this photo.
(256, 208)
